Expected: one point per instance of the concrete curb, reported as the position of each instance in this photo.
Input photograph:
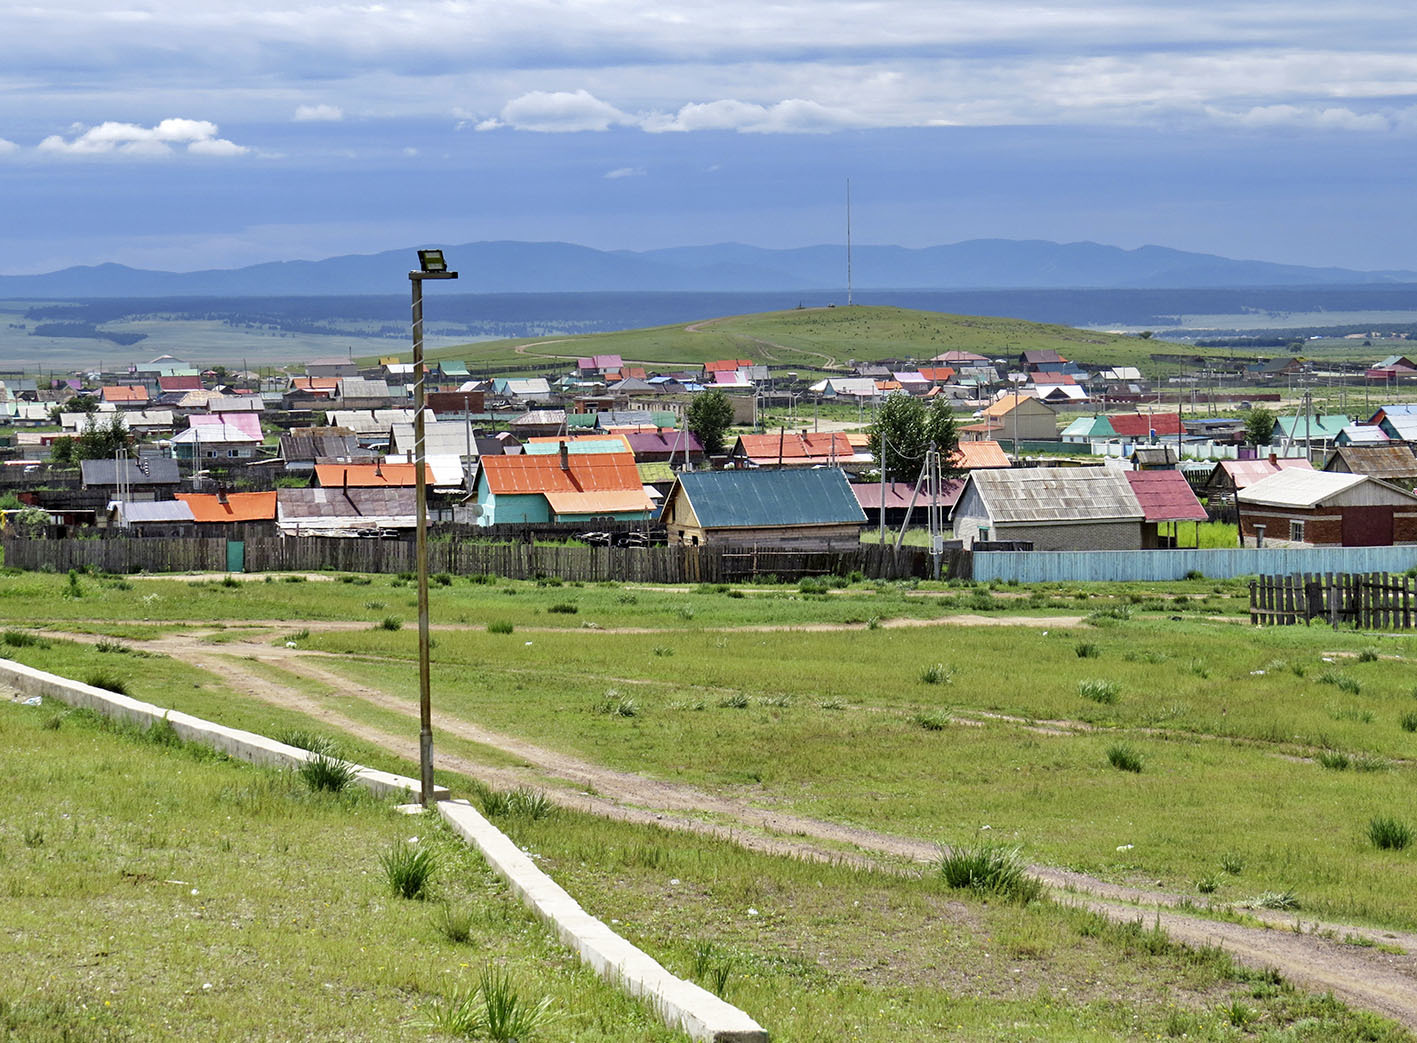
(246, 746)
(681, 1004)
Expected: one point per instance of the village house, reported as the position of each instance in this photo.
(1063, 508)
(345, 512)
(1014, 417)
(810, 508)
(793, 449)
(1307, 508)
(560, 487)
(1391, 463)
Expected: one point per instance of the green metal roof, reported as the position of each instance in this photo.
(1089, 427)
(580, 419)
(1326, 426)
(811, 496)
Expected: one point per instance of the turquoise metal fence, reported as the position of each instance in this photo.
(1120, 566)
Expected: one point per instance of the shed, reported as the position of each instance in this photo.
(1165, 498)
(796, 508)
(1327, 509)
(1391, 463)
(1064, 508)
(344, 512)
(560, 486)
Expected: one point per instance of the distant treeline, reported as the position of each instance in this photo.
(538, 314)
(85, 330)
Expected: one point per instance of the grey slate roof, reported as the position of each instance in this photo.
(1057, 494)
(140, 512)
(809, 496)
(344, 503)
(148, 471)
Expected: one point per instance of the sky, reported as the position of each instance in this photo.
(192, 134)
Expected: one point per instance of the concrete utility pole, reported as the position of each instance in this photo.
(431, 266)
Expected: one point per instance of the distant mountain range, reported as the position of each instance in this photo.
(515, 267)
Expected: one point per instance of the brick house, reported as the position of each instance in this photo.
(1300, 508)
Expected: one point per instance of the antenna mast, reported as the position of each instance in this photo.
(848, 242)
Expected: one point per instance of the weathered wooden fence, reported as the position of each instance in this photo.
(1371, 601)
(660, 564)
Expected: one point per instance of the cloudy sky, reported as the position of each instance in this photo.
(194, 134)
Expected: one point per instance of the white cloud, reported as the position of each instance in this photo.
(318, 114)
(8, 148)
(561, 112)
(619, 172)
(1333, 117)
(130, 139)
(793, 116)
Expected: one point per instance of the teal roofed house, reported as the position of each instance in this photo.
(1314, 428)
(803, 508)
(453, 370)
(1089, 429)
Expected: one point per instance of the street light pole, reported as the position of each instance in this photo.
(431, 266)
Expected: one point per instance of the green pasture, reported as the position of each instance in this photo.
(155, 891)
(158, 892)
(816, 337)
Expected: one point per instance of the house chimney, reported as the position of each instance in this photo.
(565, 457)
(1273, 460)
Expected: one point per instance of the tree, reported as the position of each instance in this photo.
(910, 430)
(1259, 426)
(100, 441)
(709, 418)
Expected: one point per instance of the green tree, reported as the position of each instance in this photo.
(910, 430)
(1259, 425)
(100, 440)
(709, 418)
(61, 452)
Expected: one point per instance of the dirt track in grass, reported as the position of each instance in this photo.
(1308, 953)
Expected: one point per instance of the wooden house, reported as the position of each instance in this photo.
(1013, 417)
(1391, 463)
(804, 508)
(560, 487)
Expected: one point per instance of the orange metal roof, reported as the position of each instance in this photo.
(589, 472)
(612, 501)
(724, 365)
(334, 476)
(125, 393)
(942, 373)
(1004, 405)
(239, 507)
(314, 383)
(795, 445)
(974, 455)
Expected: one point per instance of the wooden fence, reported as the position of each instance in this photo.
(662, 564)
(1370, 601)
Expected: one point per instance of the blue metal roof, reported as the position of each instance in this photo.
(811, 496)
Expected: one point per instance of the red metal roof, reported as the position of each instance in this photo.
(1165, 496)
(1140, 425)
(868, 494)
(797, 446)
(984, 453)
(125, 393)
(180, 384)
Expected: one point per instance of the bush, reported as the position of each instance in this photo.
(409, 869)
(989, 869)
(1124, 758)
(442, 579)
(1099, 691)
(1388, 833)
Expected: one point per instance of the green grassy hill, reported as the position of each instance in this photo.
(813, 338)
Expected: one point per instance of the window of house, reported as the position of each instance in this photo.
(984, 533)
(1296, 532)
(233, 452)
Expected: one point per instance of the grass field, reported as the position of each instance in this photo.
(811, 338)
(1263, 757)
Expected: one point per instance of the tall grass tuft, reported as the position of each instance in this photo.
(500, 626)
(1124, 758)
(522, 802)
(326, 772)
(938, 673)
(563, 607)
(989, 870)
(410, 869)
(1408, 721)
(1087, 650)
(1099, 691)
(307, 740)
(107, 681)
(712, 967)
(507, 1013)
(1335, 760)
(390, 623)
(1388, 833)
(454, 923)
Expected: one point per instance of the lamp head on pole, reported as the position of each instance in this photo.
(431, 265)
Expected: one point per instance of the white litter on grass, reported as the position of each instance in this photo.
(1328, 659)
(33, 700)
(752, 911)
(1125, 847)
(290, 644)
(1256, 673)
(528, 644)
